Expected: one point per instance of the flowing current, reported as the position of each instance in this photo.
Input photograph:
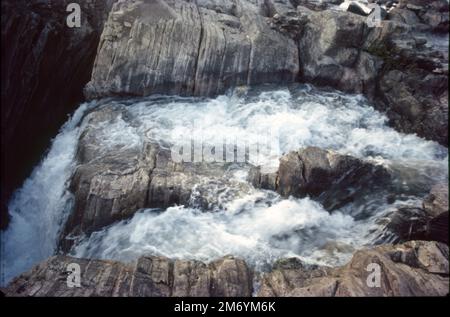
(259, 225)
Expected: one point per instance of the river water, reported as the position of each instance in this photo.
(259, 226)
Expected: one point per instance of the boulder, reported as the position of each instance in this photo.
(415, 268)
(413, 223)
(149, 276)
(436, 207)
(436, 202)
(434, 13)
(333, 178)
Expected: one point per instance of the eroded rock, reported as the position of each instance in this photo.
(150, 276)
(196, 49)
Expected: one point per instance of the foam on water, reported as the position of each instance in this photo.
(260, 234)
(259, 226)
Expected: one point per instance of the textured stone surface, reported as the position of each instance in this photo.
(427, 223)
(415, 268)
(332, 177)
(150, 276)
(189, 48)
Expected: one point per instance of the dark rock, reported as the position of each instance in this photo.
(436, 207)
(195, 50)
(112, 183)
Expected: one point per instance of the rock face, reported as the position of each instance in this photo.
(189, 48)
(205, 47)
(433, 15)
(436, 207)
(416, 268)
(149, 276)
(335, 179)
(45, 65)
(112, 182)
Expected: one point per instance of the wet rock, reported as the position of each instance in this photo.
(412, 109)
(436, 207)
(150, 276)
(197, 49)
(415, 268)
(408, 223)
(414, 223)
(434, 13)
(335, 179)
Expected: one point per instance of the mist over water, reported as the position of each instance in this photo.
(259, 226)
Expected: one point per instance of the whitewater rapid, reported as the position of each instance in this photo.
(259, 226)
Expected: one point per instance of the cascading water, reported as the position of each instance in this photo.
(259, 226)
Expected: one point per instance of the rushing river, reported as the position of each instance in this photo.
(259, 226)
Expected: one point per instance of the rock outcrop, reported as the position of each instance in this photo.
(189, 48)
(205, 47)
(415, 268)
(427, 223)
(45, 65)
(149, 277)
(335, 179)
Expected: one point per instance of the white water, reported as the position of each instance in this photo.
(40, 207)
(259, 226)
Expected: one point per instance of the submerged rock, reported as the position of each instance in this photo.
(416, 268)
(436, 207)
(335, 179)
(149, 276)
(45, 65)
(196, 49)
